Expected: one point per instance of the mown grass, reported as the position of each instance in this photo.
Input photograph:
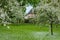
(28, 32)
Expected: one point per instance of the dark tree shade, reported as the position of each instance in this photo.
(33, 2)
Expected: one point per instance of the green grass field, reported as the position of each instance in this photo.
(28, 32)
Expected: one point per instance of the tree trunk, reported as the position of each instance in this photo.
(51, 27)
